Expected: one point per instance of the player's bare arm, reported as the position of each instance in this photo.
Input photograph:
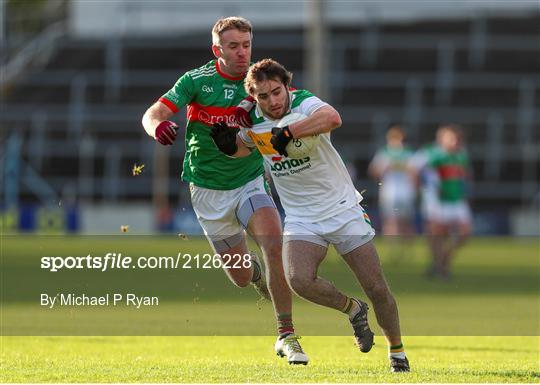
(156, 123)
(243, 149)
(377, 167)
(375, 171)
(325, 119)
(157, 113)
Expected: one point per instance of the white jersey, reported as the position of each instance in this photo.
(311, 189)
(396, 184)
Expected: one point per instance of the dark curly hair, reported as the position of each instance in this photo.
(266, 69)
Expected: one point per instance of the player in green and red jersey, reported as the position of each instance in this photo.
(228, 195)
(448, 211)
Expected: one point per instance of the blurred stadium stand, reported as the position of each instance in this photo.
(71, 105)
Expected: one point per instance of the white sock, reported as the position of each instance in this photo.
(400, 355)
(351, 308)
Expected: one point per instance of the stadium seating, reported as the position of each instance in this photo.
(482, 74)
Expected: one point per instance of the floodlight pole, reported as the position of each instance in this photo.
(316, 49)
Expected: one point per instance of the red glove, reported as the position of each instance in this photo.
(241, 112)
(166, 132)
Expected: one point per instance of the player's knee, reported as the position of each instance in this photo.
(273, 251)
(299, 284)
(271, 239)
(379, 293)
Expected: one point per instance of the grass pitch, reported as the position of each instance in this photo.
(251, 359)
(483, 326)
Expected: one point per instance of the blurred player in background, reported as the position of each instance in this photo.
(396, 193)
(228, 195)
(322, 206)
(427, 181)
(444, 171)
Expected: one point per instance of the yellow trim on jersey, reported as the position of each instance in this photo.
(262, 141)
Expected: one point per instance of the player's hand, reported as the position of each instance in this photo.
(281, 136)
(224, 138)
(241, 112)
(166, 132)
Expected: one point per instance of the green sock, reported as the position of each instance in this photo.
(396, 351)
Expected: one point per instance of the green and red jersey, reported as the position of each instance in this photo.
(211, 97)
(451, 168)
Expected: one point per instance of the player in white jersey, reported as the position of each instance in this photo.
(396, 194)
(320, 201)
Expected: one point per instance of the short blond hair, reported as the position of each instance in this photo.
(451, 127)
(227, 23)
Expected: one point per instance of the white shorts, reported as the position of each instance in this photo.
(396, 201)
(224, 214)
(430, 205)
(446, 212)
(347, 230)
(454, 212)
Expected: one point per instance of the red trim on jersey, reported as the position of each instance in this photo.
(169, 104)
(451, 172)
(224, 75)
(210, 115)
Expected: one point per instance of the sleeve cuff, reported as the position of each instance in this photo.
(169, 104)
